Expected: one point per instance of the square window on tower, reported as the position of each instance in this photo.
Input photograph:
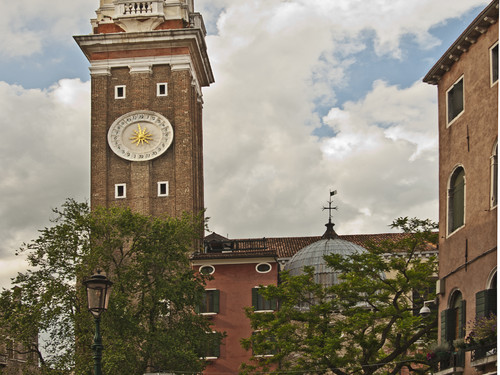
(163, 189)
(120, 92)
(120, 191)
(161, 89)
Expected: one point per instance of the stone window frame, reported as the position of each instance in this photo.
(451, 95)
(159, 85)
(494, 176)
(261, 264)
(260, 304)
(493, 64)
(160, 190)
(121, 95)
(451, 227)
(120, 194)
(210, 304)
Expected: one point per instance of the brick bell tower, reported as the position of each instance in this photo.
(148, 63)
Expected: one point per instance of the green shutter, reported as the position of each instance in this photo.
(216, 346)
(443, 326)
(274, 304)
(255, 298)
(462, 319)
(481, 304)
(491, 302)
(486, 303)
(450, 318)
(216, 300)
(458, 200)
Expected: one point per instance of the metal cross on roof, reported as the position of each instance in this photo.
(330, 208)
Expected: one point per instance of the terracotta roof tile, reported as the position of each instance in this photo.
(281, 247)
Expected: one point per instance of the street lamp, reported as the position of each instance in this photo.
(98, 290)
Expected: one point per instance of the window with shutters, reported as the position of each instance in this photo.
(494, 63)
(210, 348)
(210, 302)
(260, 304)
(486, 303)
(486, 300)
(453, 319)
(455, 100)
(263, 345)
(456, 200)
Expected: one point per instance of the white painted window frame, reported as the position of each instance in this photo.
(448, 233)
(159, 185)
(492, 83)
(158, 86)
(117, 187)
(461, 78)
(117, 87)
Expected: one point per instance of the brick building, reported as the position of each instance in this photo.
(467, 82)
(238, 267)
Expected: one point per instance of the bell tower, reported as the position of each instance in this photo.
(148, 64)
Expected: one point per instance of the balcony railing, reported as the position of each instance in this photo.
(452, 359)
(127, 8)
(483, 351)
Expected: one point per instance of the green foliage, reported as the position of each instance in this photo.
(483, 330)
(149, 326)
(365, 324)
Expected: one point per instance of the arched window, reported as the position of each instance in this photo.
(456, 200)
(486, 300)
(453, 319)
(494, 176)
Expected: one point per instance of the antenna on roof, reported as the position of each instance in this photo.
(330, 233)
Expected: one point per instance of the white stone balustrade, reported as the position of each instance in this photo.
(138, 8)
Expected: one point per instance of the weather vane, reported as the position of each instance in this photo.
(330, 208)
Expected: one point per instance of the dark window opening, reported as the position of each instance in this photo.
(494, 64)
(456, 200)
(456, 100)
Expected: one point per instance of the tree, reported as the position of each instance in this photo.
(365, 324)
(150, 324)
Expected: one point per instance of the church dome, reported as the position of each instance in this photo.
(313, 255)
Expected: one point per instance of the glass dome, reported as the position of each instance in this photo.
(313, 255)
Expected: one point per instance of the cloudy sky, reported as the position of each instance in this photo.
(310, 95)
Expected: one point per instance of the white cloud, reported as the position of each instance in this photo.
(27, 26)
(274, 61)
(385, 154)
(388, 19)
(271, 178)
(265, 174)
(45, 157)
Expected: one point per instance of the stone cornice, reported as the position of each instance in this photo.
(156, 44)
(479, 26)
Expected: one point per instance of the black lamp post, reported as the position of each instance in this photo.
(98, 290)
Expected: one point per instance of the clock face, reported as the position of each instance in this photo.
(140, 135)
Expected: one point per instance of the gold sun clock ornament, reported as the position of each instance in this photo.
(141, 136)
